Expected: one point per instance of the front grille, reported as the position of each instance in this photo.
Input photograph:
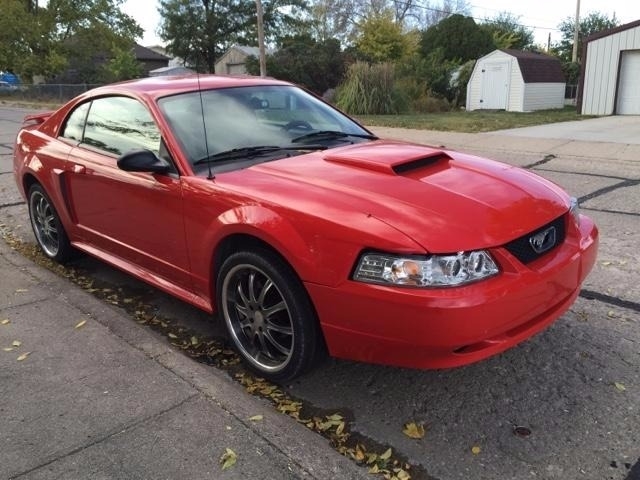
(521, 247)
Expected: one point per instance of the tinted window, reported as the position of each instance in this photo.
(248, 116)
(75, 123)
(121, 124)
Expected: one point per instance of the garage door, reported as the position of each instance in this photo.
(629, 84)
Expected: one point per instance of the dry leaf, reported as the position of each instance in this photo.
(413, 430)
(358, 455)
(22, 290)
(228, 458)
(8, 349)
(620, 386)
(173, 335)
(5, 321)
(256, 418)
(80, 324)
(402, 475)
(194, 340)
(611, 314)
(606, 264)
(23, 356)
(476, 449)
(16, 343)
(386, 455)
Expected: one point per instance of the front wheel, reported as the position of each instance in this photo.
(47, 227)
(268, 314)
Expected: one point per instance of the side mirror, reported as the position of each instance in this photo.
(143, 161)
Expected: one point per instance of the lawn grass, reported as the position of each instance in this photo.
(472, 122)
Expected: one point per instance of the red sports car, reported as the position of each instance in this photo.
(256, 200)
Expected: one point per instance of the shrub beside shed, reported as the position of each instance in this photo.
(516, 81)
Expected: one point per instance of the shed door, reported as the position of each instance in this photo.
(495, 85)
(629, 84)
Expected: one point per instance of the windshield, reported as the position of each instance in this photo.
(256, 116)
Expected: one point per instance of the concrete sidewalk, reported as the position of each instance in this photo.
(113, 400)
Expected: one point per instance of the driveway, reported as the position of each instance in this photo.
(615, 129)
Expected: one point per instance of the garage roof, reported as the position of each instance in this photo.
(537, 67)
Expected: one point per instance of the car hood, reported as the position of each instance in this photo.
(443, 200)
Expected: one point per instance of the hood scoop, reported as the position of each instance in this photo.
(391, 158)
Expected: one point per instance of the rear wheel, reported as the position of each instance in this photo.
(268, 314)
(48, 229)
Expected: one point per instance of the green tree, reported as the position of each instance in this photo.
(26, 46)
(317, 65)
(38, 40)
(458, 37)
(89, 34)
(381, 39)
(507, 32)
(122, 66)
(199, 31)
(593, 23)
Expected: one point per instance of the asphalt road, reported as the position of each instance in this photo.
(575, 388)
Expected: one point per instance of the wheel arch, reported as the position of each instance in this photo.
(236, 242)
(28, 180)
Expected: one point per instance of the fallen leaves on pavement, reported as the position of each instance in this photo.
(228, 458)
(23, 356)
(213, 352)
(413, 430)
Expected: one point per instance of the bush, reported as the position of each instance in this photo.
(429, 104)
(369, 90)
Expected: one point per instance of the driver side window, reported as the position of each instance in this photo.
(119, 125)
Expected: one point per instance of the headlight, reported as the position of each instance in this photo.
(574, 210)
(432, 271)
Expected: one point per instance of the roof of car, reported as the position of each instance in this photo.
(170, 85)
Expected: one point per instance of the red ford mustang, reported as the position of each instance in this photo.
(254, 199)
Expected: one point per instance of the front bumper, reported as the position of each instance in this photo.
(449, 327)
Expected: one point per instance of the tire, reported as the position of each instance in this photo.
(268, 315)
(47, 227)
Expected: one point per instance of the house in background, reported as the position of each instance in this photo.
(516, 81)
(149, 59)
(233, 61)
(610, 74)
(173, 61)
(171, 70)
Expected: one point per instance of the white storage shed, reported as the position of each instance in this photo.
(516, 81)
(610, 76)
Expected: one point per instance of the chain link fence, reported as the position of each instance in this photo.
(44, 92)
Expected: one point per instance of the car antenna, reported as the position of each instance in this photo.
(210, 176)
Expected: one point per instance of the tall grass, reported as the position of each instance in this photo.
(369, 90)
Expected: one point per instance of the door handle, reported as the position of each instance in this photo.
(81, 169)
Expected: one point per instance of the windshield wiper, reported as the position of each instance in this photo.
(250, 152)
(333, 134)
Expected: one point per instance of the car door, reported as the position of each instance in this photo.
(135, 217)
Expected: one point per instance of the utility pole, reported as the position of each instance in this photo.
(576, 34)
(263, 59)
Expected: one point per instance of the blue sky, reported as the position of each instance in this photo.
(543, 15)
